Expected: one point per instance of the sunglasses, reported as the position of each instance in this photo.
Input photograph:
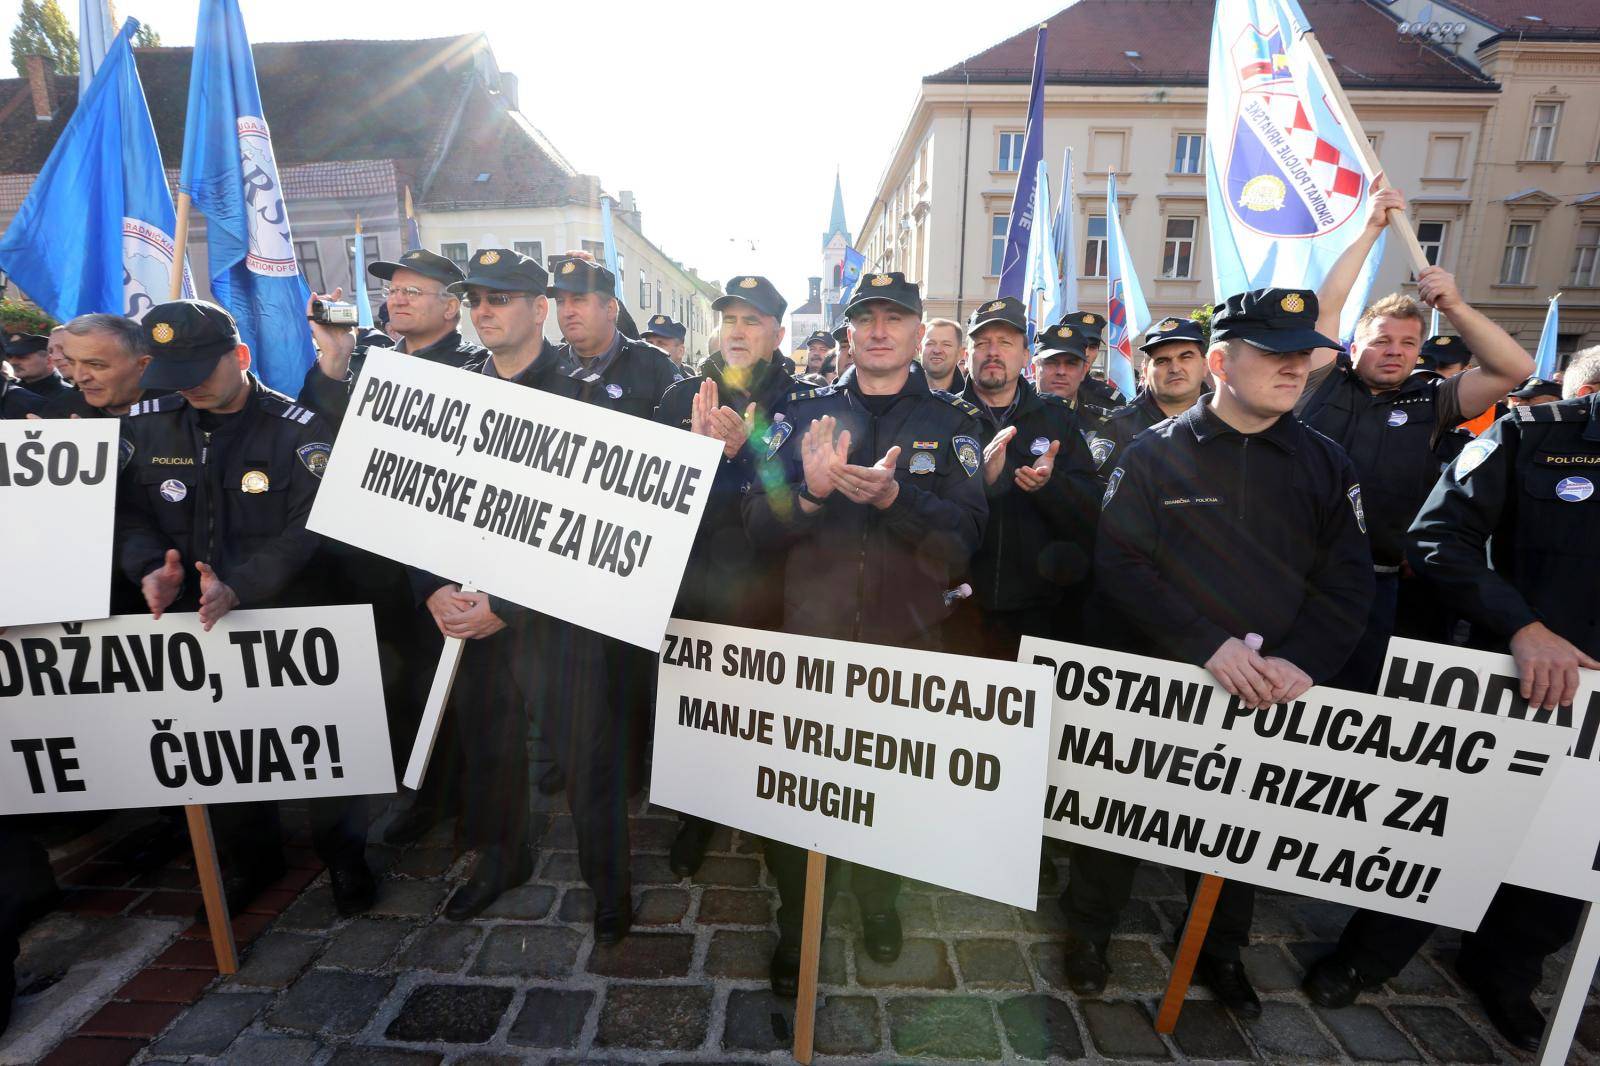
(493, 299)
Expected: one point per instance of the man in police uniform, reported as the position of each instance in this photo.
(16, 401)
(1043, 495)
(1445, 356)
(669, 336)
(1061, 365)
(216, 484)
(1390, 420)
(944, 349)
(1174, 377)
(1096, 391)
(841, 334)
(735, 398)
(29, 357)
(1534, 392)
(1510, 538)
(1231, 521)
(877, 500)
(819, 347)
(518, 661)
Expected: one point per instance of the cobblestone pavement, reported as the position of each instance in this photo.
(526, 982)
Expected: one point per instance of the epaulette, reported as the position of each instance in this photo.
(811, 394)
(1125, 411)
(1553, 412)
(170, 402)
(292, 411)
(1050, 398)
(966, 407)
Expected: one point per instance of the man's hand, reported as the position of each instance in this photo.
(1437, 288)
(162, 585)
(216, 598)
(1035, 477)
(472, 620)
(721, 423)
(1549, 666)
(446, 600)
(994, 454)
(1382, 201)
(874, 485)
(334, 343)
(820, 455)
(1289, 682)
(1242, 672)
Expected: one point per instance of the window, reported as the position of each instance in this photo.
(1105, 150)
(1094, 248)
(596, 249)
(644, 291)
(997, 242)
(1444, 156)
(1542, 133)
(1188, 154)
(1010, 157)
(1177, 254)
(310, 264)
(1586, 260)
(456, 253)
(370, 250)
(658, 298)
(1519, 246)
(1431, 235)
(532, 249)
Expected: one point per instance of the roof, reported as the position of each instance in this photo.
(517, 164)
(1555, 19)
(1086, 43)
(326, 101)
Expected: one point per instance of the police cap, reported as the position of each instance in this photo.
(1068, 337)
(754, 290)
(20, 344)
(891, 288)
(1173, 329)
(1093, 326)
(841, 332)
(821, 336)
(186, 337)
(664, 326)
(503, 270)
(1275, 320)
(574, 274)
(419, 261)
(1007, 309)
(1444, 351)
(1534, 388)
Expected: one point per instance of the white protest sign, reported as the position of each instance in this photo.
(563, 507)
(1394, 806)
(916, 762)
(1559, 849)
(135, 712)
(58, 494)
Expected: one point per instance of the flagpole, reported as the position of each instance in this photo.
(180, 244)
(1398, 220)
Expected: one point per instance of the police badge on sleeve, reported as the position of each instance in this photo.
(314, 456)
(777, 435)
(1100, 449)
(1472, 457)
(1355, 505)
(968, 453)
(1111, 487)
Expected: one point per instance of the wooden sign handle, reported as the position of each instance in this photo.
(1194, 934)
(805, 1004)
(209, 872)
(1558, 1032)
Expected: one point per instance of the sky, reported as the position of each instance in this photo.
(727, 121)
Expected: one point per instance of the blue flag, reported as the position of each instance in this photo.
(850, 273)
(230, 174)
(1013, 263)
(1286, 187)
(95, 233)
(363, 299)
(1126, 312)
(1066, 235)
(1544, 361)
(1042, 287)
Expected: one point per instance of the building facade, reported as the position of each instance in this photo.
(1452, 122)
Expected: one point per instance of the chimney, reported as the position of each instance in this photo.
(42, 84)
(628, 208)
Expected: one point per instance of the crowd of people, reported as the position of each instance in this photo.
(1269, 506)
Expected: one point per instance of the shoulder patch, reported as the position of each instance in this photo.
(124, 452)
(314, 456)
(1473, 455)
(968, 452)
(1354, 496)
(1100, 449)
(777, 435)
(1111, 487)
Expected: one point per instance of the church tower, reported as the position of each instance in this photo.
(834, 242)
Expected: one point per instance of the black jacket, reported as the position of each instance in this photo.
(330, 396)
(1511, 532)
(728, 579)
(49, 385)
(1116, 431)
(855, 572)
(1207, 533)
(236, 498)
(633, 383)
(16, 401)
(1036, 543)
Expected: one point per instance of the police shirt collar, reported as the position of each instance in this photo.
(575, 367)
(448, 343)
(916, 383)
(1026, 399)
(1207, 427)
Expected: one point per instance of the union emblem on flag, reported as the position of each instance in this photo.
(1288, 175)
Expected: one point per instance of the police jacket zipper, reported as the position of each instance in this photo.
(861, 557)
(1244, 475)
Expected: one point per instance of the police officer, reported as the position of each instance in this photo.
(1390, 420)
(518, 660)
(1235, 470)
(1061, 365)
(108, 355)
(1096, 391)
(1174, 377)
(29, 356)
(736, 396)
(876, 499)
(216, 484)
(16, 401)
(1533, 392)
(841, 334)
(944, 351)
(669, 336)
(1445, 356)
(1043, 495)
(423, 312)
(819, 349)
(1509, 537)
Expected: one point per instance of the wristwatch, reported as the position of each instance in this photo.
(805, 494)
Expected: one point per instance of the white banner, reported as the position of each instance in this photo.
(135, 712)
(916, 762)
(1560, 847)
(58, 493)
(1394, 806)
(563, 507)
